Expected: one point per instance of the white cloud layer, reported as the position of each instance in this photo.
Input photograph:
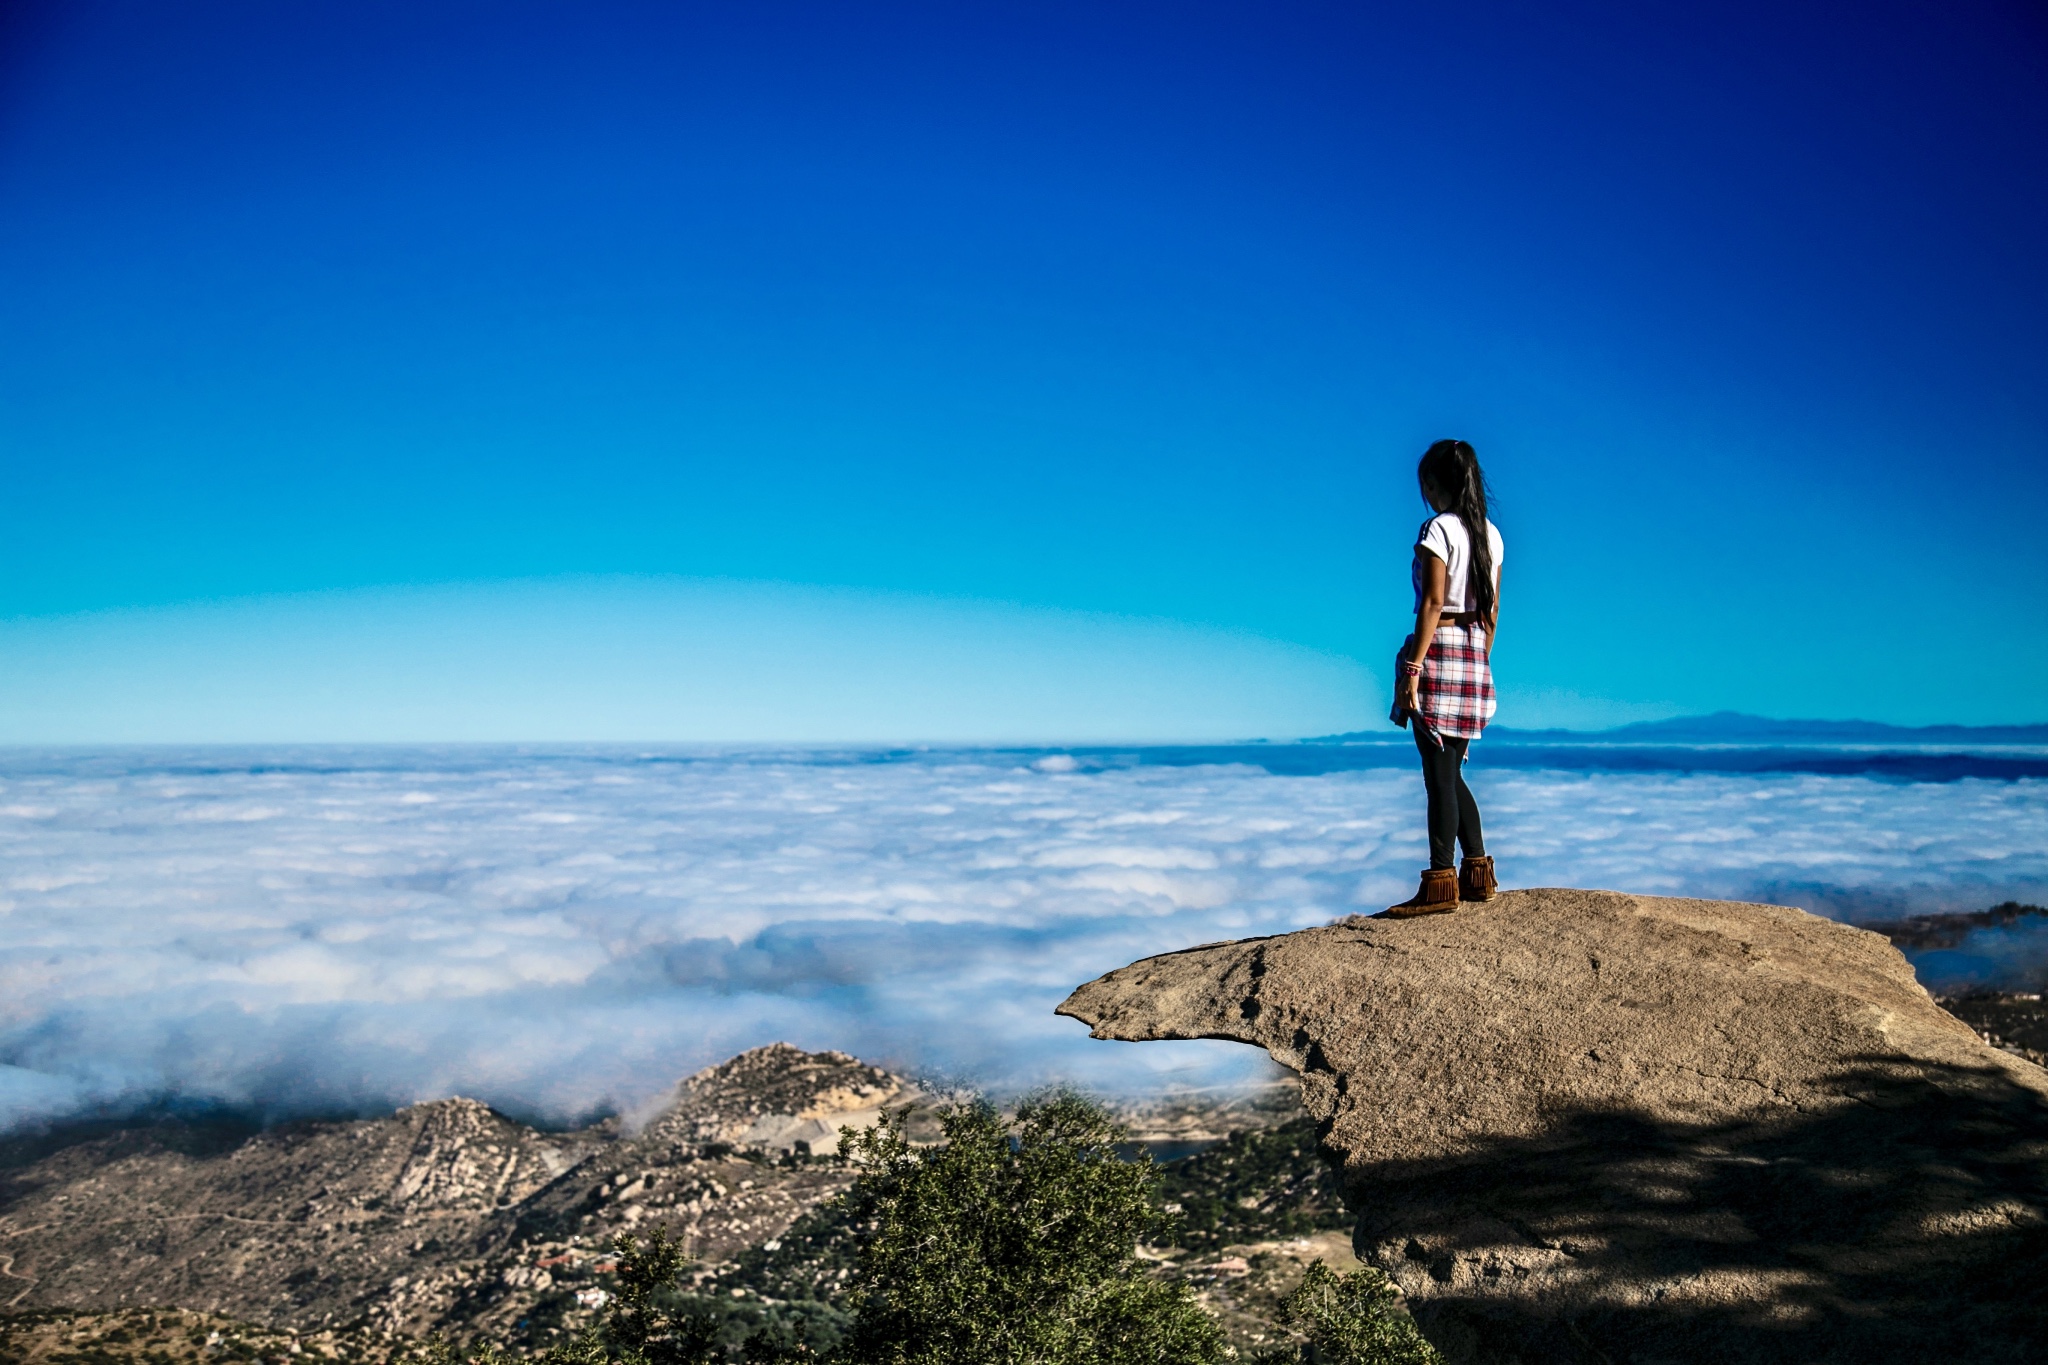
(322, 929)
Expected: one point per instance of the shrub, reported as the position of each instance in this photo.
(1012, 1244)
(1352, 1320)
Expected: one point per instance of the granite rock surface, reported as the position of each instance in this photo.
(1587, 1126)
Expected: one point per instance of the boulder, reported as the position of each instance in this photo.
(1585, 1126)
(775, 1097)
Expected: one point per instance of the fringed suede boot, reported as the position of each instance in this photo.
(1475, 879)
(1438, 895)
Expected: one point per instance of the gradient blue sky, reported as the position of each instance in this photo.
(1095, 318)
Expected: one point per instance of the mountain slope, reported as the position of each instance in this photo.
(442, 1214)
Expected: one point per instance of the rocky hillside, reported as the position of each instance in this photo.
(444, 1214)
(347, 1239)
(1582, 1126)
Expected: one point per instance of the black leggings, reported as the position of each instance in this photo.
(1453, 814)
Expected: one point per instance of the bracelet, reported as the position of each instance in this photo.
(1412, 669)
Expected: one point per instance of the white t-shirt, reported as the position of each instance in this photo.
(1444, 536)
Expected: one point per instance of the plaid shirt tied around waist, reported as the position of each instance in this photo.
(1455, 693)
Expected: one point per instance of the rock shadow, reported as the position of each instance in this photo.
(1907, 1223)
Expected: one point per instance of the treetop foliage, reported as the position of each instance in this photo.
(1013, 1244)
(1352, 1319)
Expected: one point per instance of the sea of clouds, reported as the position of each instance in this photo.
(561, 932)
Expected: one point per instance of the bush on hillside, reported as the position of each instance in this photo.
(1012, 1242)
(1352, 1319)
(1256, 1186)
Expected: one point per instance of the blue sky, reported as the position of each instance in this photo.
(1065, 320)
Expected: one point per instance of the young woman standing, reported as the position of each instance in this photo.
(1443, 674)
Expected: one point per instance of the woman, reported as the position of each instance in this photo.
(1443, 677)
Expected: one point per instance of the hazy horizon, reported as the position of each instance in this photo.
(671, 660)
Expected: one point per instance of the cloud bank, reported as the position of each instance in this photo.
(557, 931)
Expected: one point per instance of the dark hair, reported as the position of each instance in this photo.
(1452, 469)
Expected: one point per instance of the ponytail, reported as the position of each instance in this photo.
(1452, 469)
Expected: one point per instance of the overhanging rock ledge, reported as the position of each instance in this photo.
(1588, 1126)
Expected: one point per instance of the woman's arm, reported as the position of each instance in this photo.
(1425, 623)
(1493, 622)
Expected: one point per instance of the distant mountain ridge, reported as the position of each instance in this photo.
(1735, 727)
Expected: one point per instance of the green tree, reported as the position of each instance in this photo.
(642, 1321)
(1012, 1244)
(1352, 1320)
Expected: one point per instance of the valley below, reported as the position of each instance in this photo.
(179, 1239)
(166, 1240)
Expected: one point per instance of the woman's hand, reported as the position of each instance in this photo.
(1429, 577)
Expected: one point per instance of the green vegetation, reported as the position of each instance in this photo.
(805, 1270)
(1352, 1320)
(1012, 1243)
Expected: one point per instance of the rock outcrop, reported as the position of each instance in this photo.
(777, 1098)
(1583, 1126)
